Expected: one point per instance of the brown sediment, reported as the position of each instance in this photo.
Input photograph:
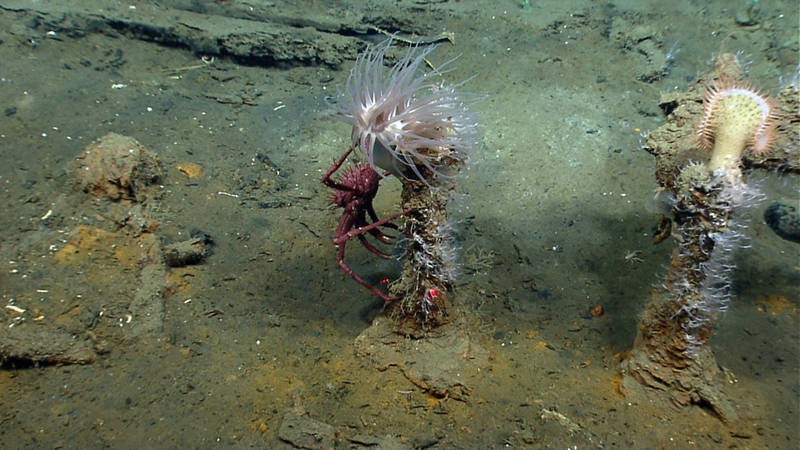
(444, 364)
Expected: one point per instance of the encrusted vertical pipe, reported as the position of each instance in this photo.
(670, 353)
(706, 191)
(428, 272)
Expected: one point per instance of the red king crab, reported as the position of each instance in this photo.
(354, 191)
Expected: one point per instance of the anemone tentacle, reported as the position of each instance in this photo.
(420, 121)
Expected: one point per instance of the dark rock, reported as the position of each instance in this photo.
(784, 220)
(192, 251)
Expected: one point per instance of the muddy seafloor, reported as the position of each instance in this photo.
(261, 332)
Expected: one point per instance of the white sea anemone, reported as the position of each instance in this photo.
(407, 120)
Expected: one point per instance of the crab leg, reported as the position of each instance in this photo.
(373, 225)
(379, 235)
(341, 242)
(326, 179)
(372, 248)
(349, 271)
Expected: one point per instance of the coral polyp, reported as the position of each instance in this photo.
(736, 116)
(406, 119)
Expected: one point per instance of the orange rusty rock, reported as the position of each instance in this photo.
(540, 345)
(117, 167)
(190, 170)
